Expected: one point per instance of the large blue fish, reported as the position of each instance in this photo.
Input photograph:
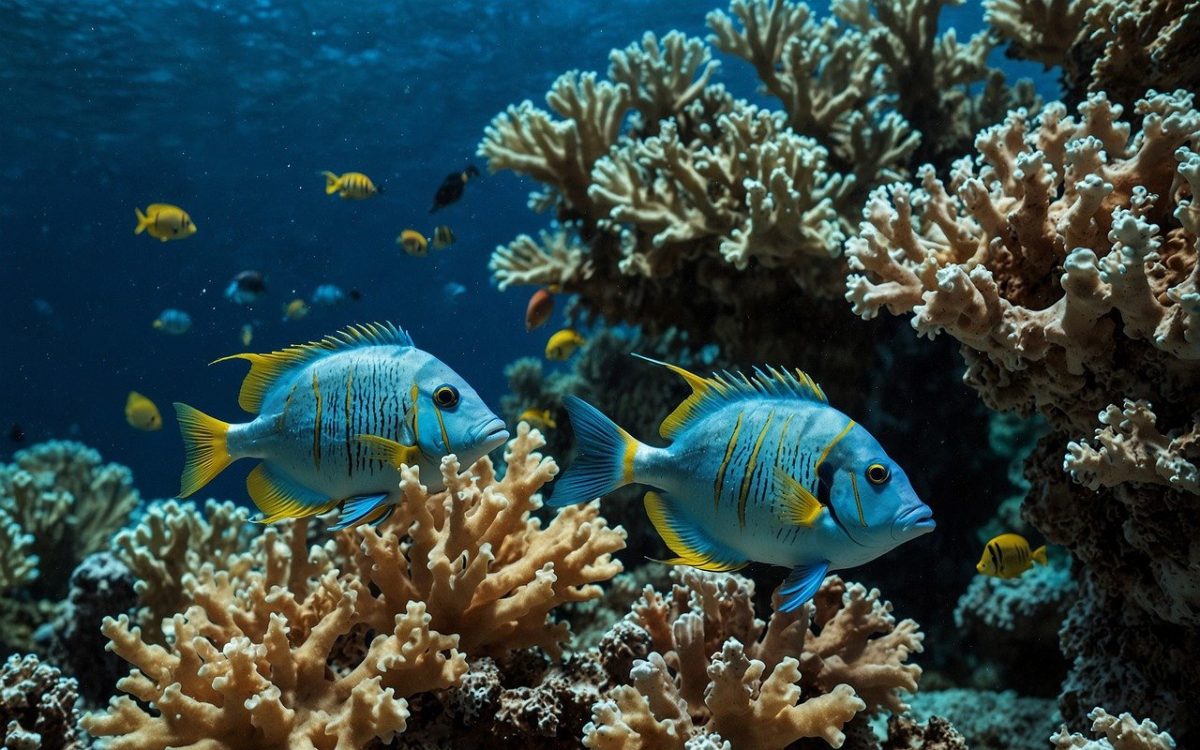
(336, 419)
(759, 469)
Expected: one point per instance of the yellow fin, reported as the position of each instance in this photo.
(266, 370)
(686, 540)
(207, 452)
(143, 221)
(331, 182)
(1039, 555)
(389, 451)
(800, 507)
(278, 497)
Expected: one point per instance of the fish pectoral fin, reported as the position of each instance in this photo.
(279, 497)
(692, 543)
(799, 506)
(801, 584)
(364, 508)
(389, 451)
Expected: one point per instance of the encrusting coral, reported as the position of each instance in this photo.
(37, 706)
(1064, 260)
(277, 651)
(720, 674)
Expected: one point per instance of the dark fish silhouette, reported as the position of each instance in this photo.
(452, 187)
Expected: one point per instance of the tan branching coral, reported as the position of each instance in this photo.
(18, 564)
(173, 540)
(555, 259)
(291, 647)
(485, 567)
(1040, 30)
(1132, 449)
(37, 706)
(1119, 733)
(720, 674)
(664, 77)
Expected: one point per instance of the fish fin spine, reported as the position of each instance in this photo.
(373, 509)
(143, 221)
(389, 452)
(722, 388)
(279, 497)
(1039, 555)
(800, 507)
(204, 439)
(331, 182)
(266, 370)
(605, 456)
(691, 543)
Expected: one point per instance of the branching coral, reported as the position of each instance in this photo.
(1039, 30)
(173, 540)
(1131, 449)
(18, 565)
(61, 495)
(289, 647)
(1120, 733)
(719, 673)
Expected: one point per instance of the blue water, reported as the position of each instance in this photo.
(230, 110)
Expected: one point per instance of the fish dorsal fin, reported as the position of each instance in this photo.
(723, 388)
(268, 369)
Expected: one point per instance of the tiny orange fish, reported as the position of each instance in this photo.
(541, 306)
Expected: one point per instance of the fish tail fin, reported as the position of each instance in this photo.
(1039, 555)
(207, 451)
(331, 182)
(143, 221)
(605, 456)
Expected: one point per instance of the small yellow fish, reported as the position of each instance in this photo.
(1008, 556)
(443, 237)
(295, 310)
(247, 334)
(351, 186)
(414, 243)
(563, 344)
(538, 418)
(140, 412)
(164, 222)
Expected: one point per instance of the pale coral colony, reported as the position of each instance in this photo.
(892, 170)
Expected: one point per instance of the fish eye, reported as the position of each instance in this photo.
(878, 473)
(445, 396)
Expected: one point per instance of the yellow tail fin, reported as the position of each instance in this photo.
(207, 452)
(1039, 555)
(331, 183)
(143, 221)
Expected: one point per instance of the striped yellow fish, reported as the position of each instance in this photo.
(351, 186)
(443, 237)
(1009, 556)
(336, 419)
(760, 469)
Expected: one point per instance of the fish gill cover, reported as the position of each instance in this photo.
(719, 188)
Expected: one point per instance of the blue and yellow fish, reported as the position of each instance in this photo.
(760, 469)
(336, 419)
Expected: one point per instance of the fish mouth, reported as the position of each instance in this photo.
(492, 435)
(914, 522)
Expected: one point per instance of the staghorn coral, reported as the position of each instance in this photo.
(37, 706)
(1040, 30)
(291, 647)
(1120, 733)
(719, 674)
(1131, 449)
(554, 259)
(60, 494)
(487, 569)
(173, 540)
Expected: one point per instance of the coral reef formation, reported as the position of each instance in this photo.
(324, 646)
(989, 719)
(1120, 733)
(1064, 261)
(37, 706)
(719, 673)
(704, 210)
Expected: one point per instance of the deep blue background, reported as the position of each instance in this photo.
(230, 110)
